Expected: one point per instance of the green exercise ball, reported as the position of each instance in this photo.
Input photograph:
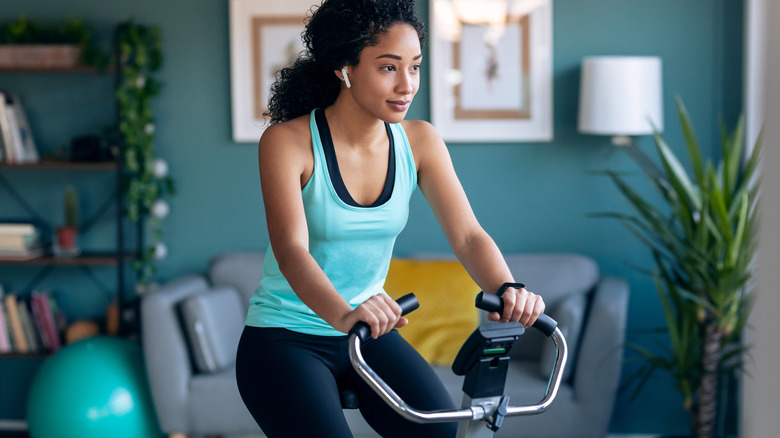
(96, 387)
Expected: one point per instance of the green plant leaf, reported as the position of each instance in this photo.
(732, 157)
(721, 220)
(742, 228)
(694, 152)
(677, 175)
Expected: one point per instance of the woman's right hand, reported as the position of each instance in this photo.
(380, 312)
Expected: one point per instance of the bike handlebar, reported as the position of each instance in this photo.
(361, 332)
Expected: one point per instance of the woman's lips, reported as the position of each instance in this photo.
(399, 105)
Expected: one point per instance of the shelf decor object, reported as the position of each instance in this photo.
(39, 56)
(139, 56)
(27, 45)
(66, 243)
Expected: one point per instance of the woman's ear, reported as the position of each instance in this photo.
(344, 76)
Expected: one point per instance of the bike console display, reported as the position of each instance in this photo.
(484, 358)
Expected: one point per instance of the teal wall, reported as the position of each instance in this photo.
(529, 196)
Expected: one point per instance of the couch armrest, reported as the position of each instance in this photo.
(166, 354)
(597, 373)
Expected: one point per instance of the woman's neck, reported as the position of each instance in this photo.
(354, 126)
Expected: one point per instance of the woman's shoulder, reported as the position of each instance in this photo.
(423, 137)
(287, 141)
(295, 130)
(418, 128)
(293, 133)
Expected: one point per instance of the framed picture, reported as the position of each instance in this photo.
(491, 70)
(265, 36)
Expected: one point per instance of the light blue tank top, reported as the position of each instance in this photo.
(353, 245)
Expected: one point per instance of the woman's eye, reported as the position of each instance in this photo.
(388, 68)
(416, 67)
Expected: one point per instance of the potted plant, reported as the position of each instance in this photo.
(702, 239)
(28, 45)
(66, 244)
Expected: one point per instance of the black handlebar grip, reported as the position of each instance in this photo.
(493, 303)
(362, 330)
(408, 304)
(489, 302)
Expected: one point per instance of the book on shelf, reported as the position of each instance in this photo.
(5, 339)
(20, 241)
(44, 320)
(17, 330)
(31, 324)
(40, 323)
(22, 255)
(29, 149)
(53, 319)
(17, 228)
(30, 333)
(5, 132)
(17, 138)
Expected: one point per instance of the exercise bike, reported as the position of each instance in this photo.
(483, 360)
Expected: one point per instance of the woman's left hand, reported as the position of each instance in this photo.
(520, 305)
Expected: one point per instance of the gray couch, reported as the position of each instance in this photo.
(191, 326)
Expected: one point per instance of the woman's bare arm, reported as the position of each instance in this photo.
(471, 244)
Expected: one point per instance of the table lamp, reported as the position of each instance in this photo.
(621, 96)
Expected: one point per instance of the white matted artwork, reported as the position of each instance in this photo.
(491, 70)
(265, 36)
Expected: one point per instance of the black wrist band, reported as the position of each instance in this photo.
(505, 286)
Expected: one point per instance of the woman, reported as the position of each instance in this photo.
(337, 167)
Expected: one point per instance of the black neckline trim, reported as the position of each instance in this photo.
(333, 164)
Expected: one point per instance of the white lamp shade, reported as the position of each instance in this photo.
(621, 95)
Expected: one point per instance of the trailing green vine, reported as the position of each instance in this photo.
(139, 52)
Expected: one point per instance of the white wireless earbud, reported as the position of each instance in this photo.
(344, 77)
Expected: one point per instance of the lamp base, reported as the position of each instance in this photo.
(622, 140)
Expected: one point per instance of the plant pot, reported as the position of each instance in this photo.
(39, 56)
(66, 242)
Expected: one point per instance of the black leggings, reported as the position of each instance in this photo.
(290, 383)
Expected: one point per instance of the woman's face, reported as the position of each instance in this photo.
(388, 74)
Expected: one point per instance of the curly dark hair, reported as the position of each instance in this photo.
(336, 32)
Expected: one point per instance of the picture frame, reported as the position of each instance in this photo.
(491, 70)
(264, 37)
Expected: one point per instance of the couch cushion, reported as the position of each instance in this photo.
(239, 270)
(446, 315)
(213, 322)
(570, 314)
(215, 407)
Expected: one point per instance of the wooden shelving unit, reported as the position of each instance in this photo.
(76, 69)
(62, 165)
(120, 254)
(87, 259)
